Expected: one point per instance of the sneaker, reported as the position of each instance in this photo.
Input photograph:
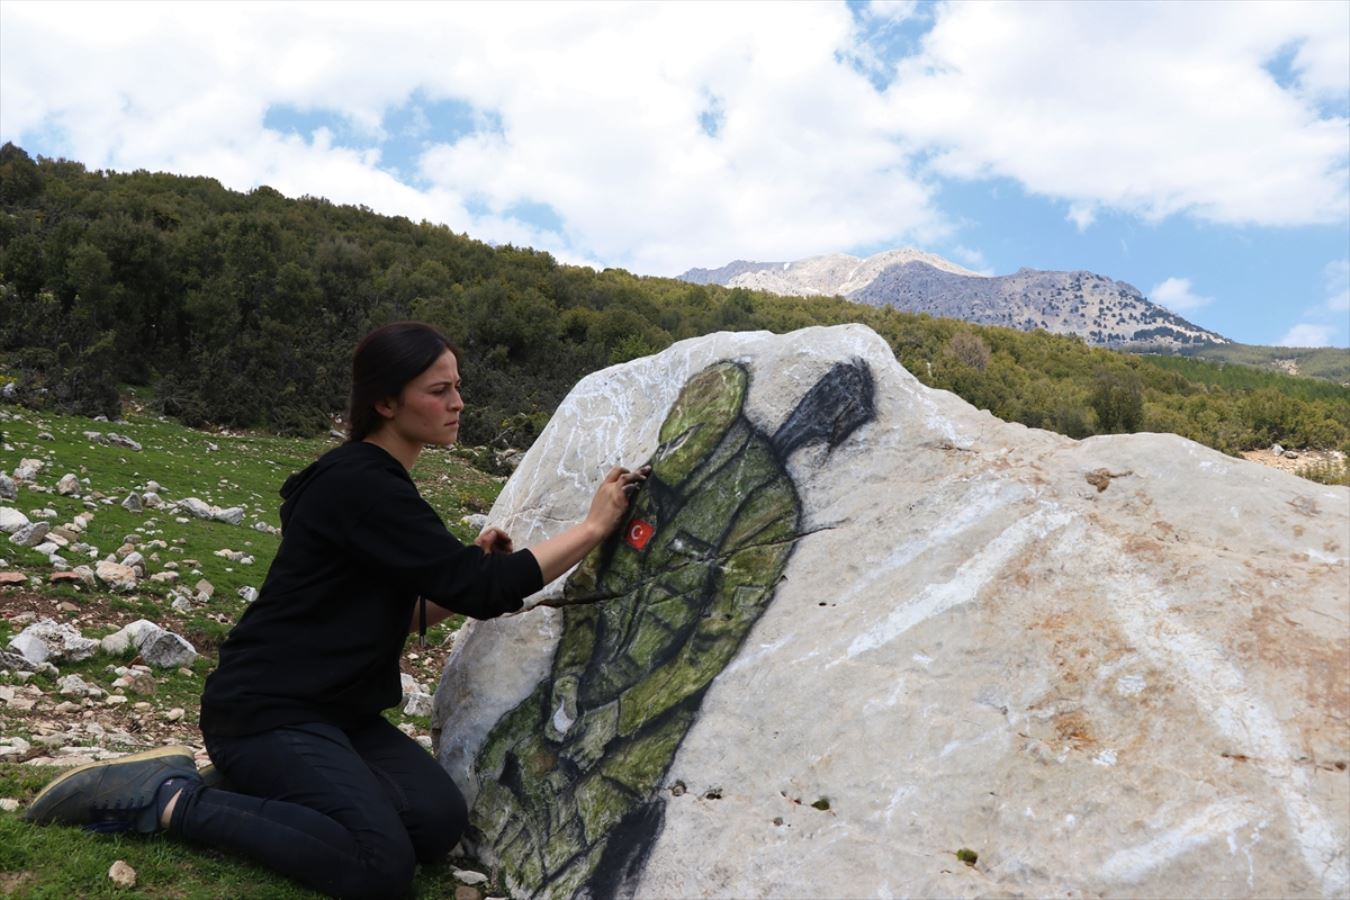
(113, 795)
(213, 778)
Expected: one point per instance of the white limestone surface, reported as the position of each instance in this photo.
(1115, 667)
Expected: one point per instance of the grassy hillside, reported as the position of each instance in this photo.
(1329, 363)
(227, 470)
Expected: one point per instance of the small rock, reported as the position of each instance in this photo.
(12, 578)
(68, 484)
(122, 874)
(75, 686)
(231, 516)
(418, 705)
(181, 604)
(30, 535)
(467, 876)
(115, 576)
(133, 635)
(175, 714)
(8, 804)
(8, 490)
(120, 440)
(464, 892)
(205, 590)
(132, 503)
(152, 500)
(165, 577)
(196, 507)
(249, 594)
(27, 469)
(168, 651)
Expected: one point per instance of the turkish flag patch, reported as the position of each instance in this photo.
(639, 533)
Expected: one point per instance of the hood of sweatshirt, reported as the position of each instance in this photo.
(295, 486)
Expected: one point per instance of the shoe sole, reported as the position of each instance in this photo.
(157, 753)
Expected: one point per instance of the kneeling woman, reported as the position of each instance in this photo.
(322, 787)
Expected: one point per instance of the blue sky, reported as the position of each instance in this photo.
(1199, 151)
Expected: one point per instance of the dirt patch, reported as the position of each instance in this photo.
(1305, 459)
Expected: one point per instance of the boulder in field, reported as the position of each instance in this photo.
(11, 520)
(49, 641)
(196, 507)
(853, 627)
(30, 535)
(68, 485)
(28, 469)
(8, 490)
(115, 576)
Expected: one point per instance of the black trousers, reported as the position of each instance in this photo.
(346, 812)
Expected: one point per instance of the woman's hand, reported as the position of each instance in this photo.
(608, 507)
(610, 503)
(494, 540)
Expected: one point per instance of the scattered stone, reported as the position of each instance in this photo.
(168, 651)
(11, 520)
(230, 516)
(68, 484)
(205, 590)
(153, 487)
(46, 640)
(198, 508)
(165, 577)
(132, 635)
(175, 714)
(66, 606)
(476, 521)
(122, 874)
(86, 575)
(134, 560)
(12, 578)
(18, 620)
(46, 548)
(6, 693)
(464, 892)
(8, 490)
(115, 576)
(1289, 454)
(56, 538)
(249, 594)
(152, 500)
(120, 440)
(181, 604)
(75, 686)
(8, 804)
(46, 436)
(30, 535)
(468, 876)
(418, 705)
(28, 469)
(138, 680)
(132, 503)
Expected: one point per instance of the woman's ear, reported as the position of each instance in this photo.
(387, 407)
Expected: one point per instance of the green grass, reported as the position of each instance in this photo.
(242, 470)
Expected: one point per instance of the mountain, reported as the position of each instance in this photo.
(1101, 311)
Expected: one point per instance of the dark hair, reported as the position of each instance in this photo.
(386, 360)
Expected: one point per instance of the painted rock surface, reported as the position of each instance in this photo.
(857, 638)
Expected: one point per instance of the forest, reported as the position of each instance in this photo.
(241, 309)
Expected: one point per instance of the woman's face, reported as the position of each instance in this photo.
(427, 411)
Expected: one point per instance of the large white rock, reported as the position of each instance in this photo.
(1110, 667)
(28, 469)
(11, 520)
(49, 641)
(115, 576)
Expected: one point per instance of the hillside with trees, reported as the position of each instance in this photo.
(242, 309)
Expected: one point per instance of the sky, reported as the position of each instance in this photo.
(1198, 151)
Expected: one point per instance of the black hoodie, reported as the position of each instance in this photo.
(322, 641)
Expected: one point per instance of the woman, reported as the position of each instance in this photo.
(329, 792)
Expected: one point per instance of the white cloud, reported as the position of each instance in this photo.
(599, 104)
(1336, 277)
(1308, 335)
(1177, 295)
(599, 108)
(1153, 109)
(1082, 215)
